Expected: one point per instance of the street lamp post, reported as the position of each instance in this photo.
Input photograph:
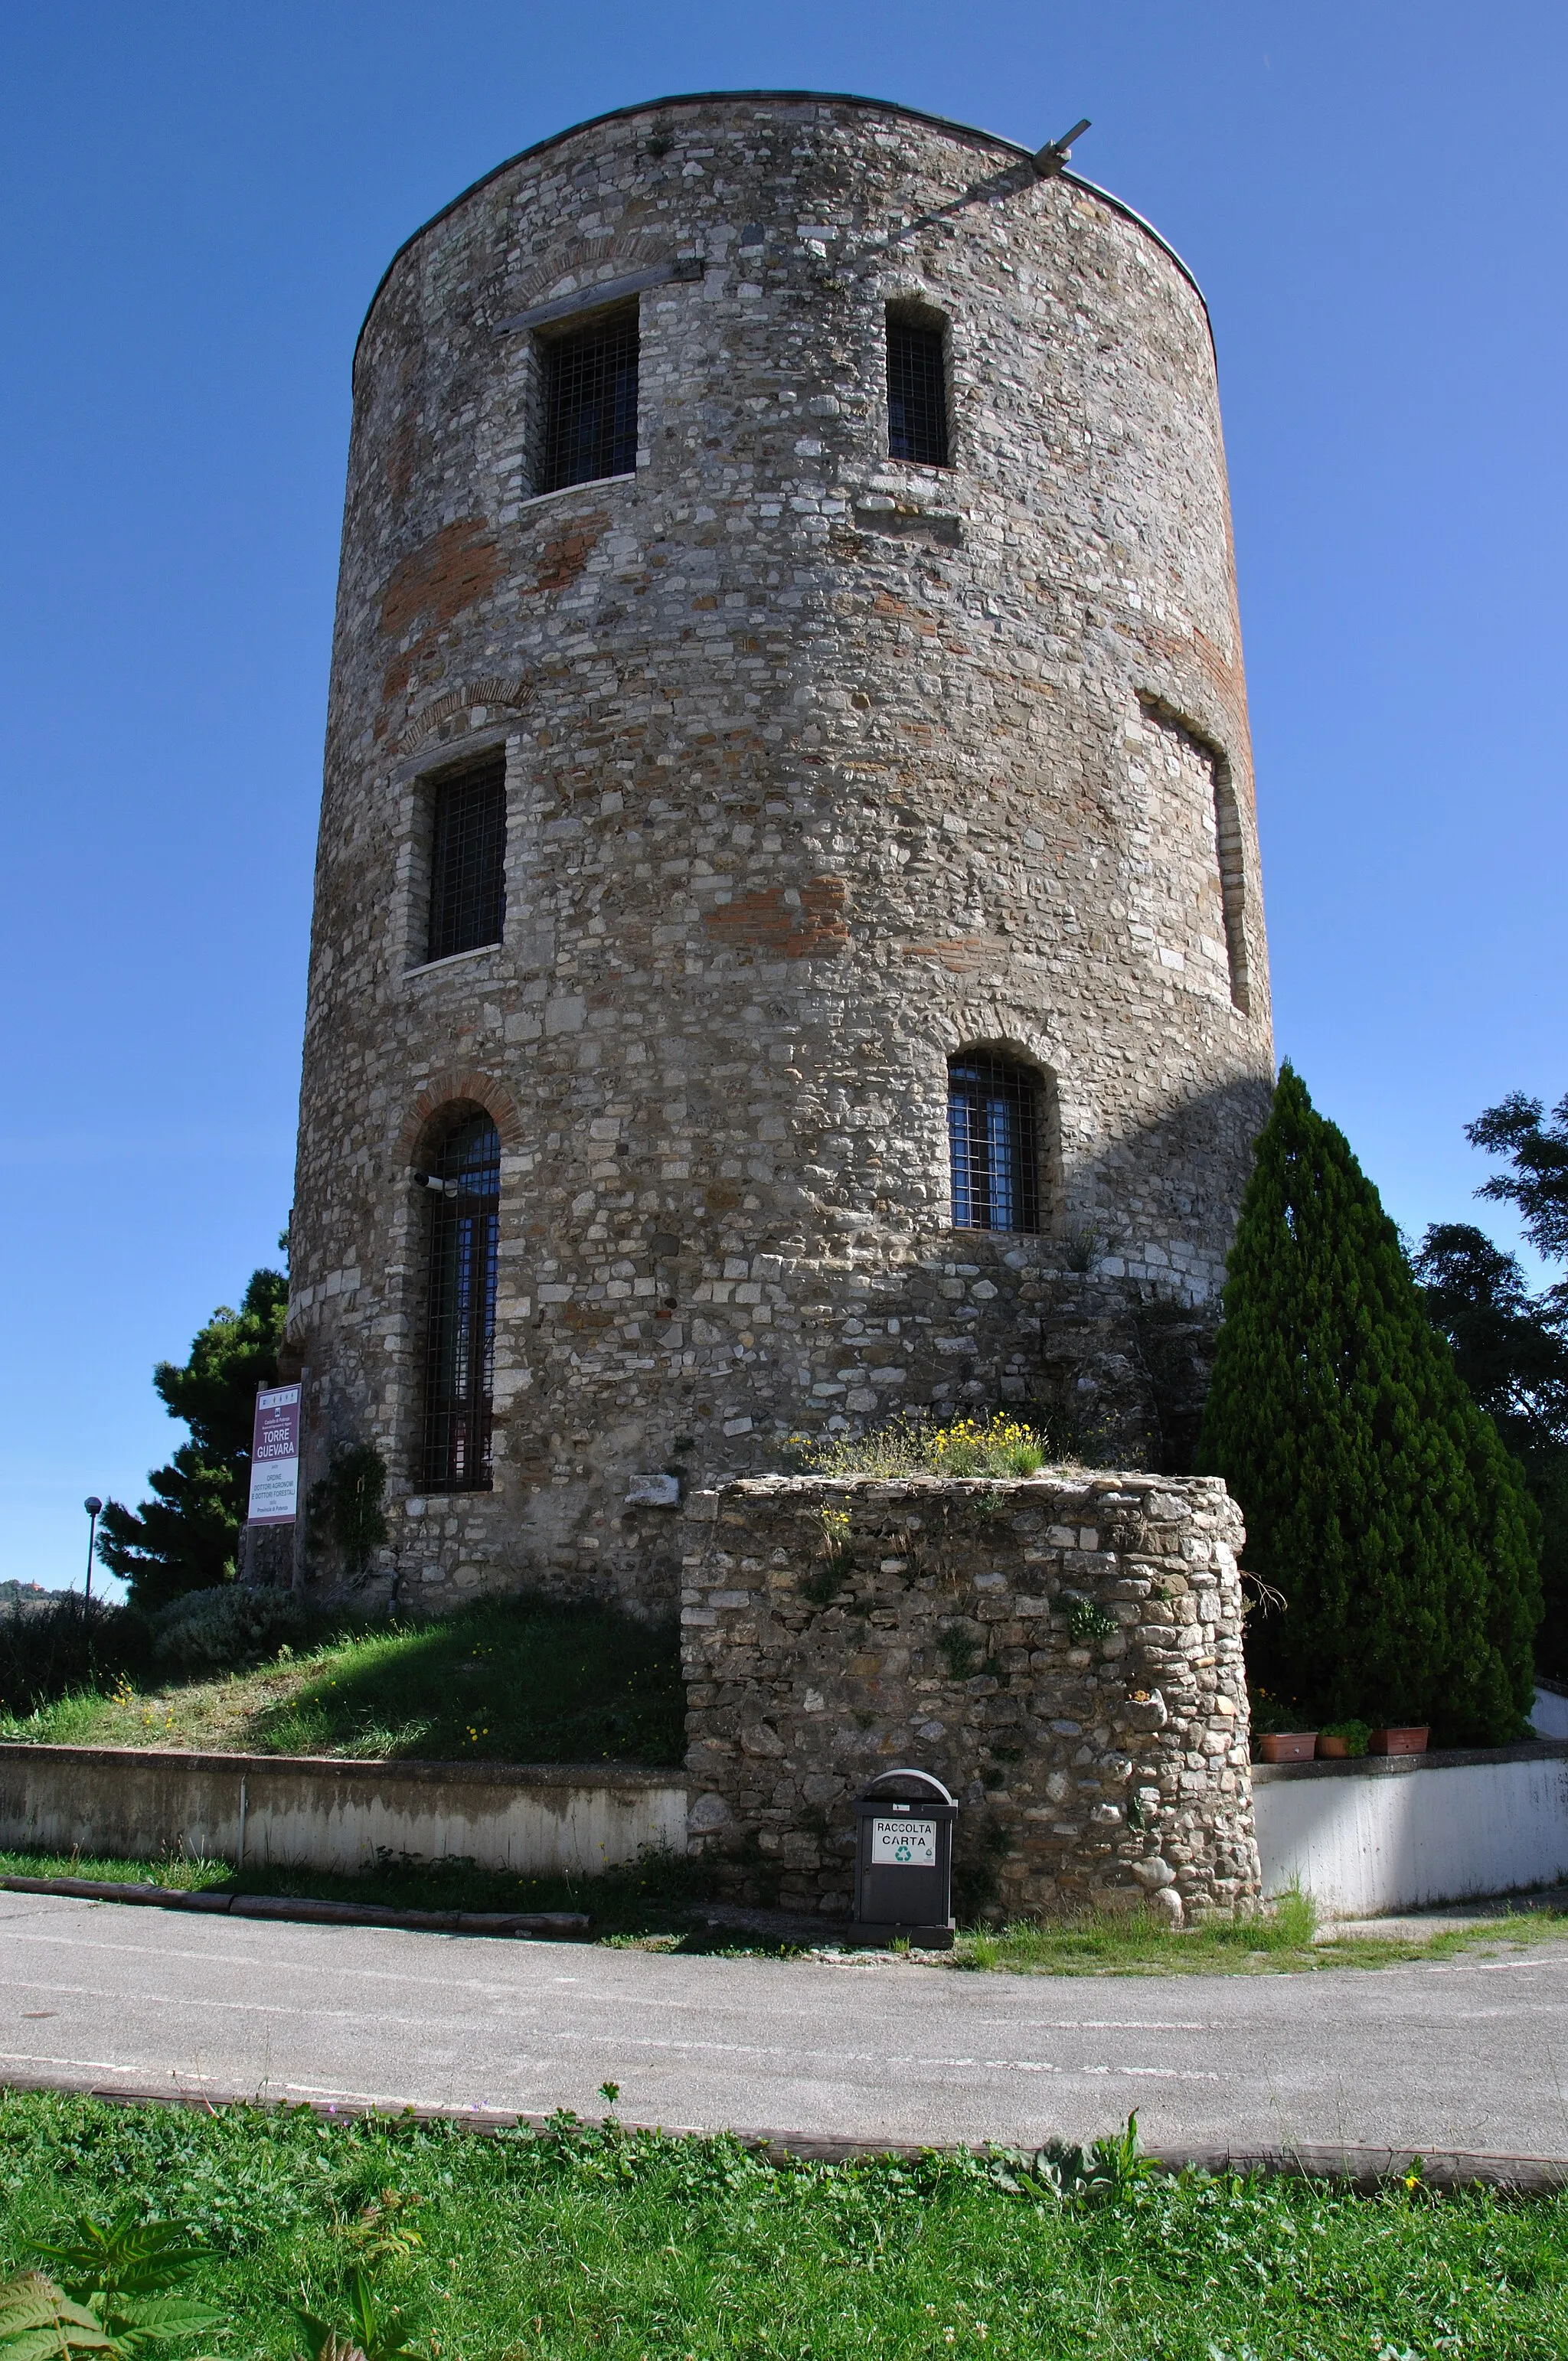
(93, 1505)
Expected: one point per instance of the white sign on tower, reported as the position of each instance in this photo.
(275, 1456)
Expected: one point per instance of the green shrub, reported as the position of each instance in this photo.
(47, 1654)
(209, 1630)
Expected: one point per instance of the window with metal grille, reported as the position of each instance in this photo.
(590, 403)
(916, 392)
(460, 1334)
(467, 865)
(993, 1132)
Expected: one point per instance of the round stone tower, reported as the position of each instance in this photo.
(788, 936)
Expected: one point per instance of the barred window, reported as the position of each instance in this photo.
(468, 868)
(590, 403)
(994, 1132)
(460, 1333)
(917, 391)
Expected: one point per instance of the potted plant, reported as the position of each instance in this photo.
(1408, 1737)
(1338, 1741)
(1277, 1727)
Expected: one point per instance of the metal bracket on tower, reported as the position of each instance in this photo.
(1049, 160)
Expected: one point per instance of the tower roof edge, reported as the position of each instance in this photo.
(821, 97)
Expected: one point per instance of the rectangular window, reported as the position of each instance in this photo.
(590, 403)
(468, 868)
(916, 392)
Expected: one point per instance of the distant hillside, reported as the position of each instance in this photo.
(25, 1597)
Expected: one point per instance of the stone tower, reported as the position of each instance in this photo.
(788, 936)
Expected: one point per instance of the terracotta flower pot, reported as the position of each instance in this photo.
(1287, 1745)
(1410, 1739)
(1332, 1748)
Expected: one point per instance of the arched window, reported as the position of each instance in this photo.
(994, 1132)
(460, 1336)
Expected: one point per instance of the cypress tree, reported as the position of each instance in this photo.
(1378, 1497)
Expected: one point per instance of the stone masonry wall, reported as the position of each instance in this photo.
(821, 767)
(1065, 1653)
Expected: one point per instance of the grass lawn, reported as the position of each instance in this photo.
(640, 2247)
(508, 1681)
(1285, 1941)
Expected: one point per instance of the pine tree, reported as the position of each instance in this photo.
(185, 1538)
(1378, 1498)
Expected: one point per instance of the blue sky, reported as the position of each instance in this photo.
(198, 203)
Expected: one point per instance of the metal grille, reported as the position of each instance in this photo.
(590, 404)
(917, 394)
(467, 870)
(460, 1342)
(994, 1134)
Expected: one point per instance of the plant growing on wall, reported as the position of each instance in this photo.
(915, 1444)
(345, 1507)
(1379, 1501)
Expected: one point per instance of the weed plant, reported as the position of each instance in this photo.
(634, 2246)
(911, 1445)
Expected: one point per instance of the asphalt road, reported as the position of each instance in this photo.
(1467, 2057)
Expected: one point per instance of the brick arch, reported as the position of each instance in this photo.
(494, 696)
(589, 261)
(460, 1085)
(1000, 1025)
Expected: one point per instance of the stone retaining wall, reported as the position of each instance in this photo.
(1064, 1652)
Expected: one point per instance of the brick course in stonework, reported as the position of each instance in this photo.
(1065, 1654)
(820, 767)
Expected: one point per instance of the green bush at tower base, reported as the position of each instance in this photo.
(1379, 1502)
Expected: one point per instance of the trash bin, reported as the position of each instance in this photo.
(903, 1861)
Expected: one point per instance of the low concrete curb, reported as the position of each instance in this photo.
(325, 1812)
(553, 1925)
(1366, 2170)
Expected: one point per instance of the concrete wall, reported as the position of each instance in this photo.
(536, 1820)
(833, 1629)
(820, 765)
(1391, 1833)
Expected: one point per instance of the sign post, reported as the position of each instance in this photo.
(275, 1450)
